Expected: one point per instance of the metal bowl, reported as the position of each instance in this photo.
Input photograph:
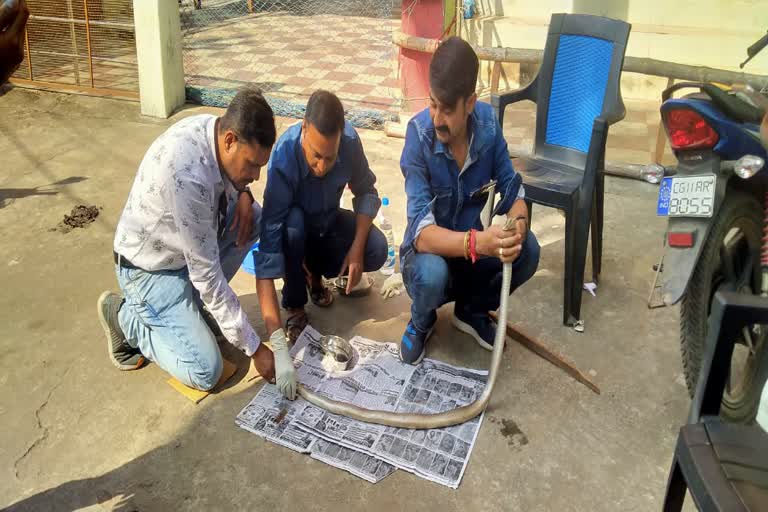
(338, 350)
(362, 288)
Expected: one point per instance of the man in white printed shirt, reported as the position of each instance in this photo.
(189, 222)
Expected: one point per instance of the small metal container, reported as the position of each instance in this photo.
(363, 287)
(337, 353)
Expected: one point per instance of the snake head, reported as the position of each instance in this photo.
(510, 225)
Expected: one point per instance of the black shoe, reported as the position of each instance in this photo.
(478, 325)
(413, 344)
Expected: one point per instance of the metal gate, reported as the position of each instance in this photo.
(83, 45)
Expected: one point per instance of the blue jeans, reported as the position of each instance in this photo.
(323, 252)
(432, 281)
(160, 314)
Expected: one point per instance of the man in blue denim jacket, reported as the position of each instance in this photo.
(304, 233)
(453, 149)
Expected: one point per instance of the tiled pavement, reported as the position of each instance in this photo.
(290, 56)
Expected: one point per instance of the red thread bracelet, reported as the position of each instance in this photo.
(473, 244)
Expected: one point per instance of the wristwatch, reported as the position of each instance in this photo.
(248, 191)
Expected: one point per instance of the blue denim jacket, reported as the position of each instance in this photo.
(438, 193)
(291, 184)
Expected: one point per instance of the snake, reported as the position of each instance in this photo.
(431, 420)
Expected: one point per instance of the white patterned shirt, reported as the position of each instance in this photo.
(171, 220)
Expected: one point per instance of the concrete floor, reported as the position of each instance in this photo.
(78, 434)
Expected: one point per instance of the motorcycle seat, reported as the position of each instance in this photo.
(733, 106)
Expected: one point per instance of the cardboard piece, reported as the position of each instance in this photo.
(228, 370)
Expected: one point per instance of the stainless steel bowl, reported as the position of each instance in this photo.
(338, 350)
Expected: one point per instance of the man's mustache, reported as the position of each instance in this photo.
(443, 129)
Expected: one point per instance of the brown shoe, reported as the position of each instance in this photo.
(321, 295)
(122, 355)
(295, 323)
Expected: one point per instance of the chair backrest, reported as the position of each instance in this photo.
(579, 80)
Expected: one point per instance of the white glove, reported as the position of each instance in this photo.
(392, 286)
(285, 373)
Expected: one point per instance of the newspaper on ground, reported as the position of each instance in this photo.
(359, 464)
(377, 379)
(272, 417)
(439, 454)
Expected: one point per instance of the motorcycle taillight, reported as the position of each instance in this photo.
(688, 130)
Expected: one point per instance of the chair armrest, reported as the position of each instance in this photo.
(500, 101)
(731, 312)
(614, 117)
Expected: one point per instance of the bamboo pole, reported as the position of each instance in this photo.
(73, 35)
(661, 134)
(631, 64)
(88, 41)
(459, 16)
(29, 54)
(495, 76)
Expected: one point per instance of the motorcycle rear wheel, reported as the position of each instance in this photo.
(730, 260)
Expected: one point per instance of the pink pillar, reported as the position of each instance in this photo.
(424, 20)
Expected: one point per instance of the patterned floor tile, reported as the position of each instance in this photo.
(352, 55)
(356, 89)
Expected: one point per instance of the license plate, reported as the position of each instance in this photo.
(687, 196)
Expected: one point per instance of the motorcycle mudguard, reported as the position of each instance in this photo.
(680, 262)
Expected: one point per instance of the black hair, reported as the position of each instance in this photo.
(325, 112)
(250, 117)
(453, 71)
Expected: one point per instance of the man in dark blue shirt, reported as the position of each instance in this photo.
(304, 233)
(452, 150)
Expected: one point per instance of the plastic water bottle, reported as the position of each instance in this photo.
(386, 227)
(469, 9)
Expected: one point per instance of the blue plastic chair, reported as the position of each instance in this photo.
(577, 93)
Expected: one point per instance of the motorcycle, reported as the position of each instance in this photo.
(716, 200)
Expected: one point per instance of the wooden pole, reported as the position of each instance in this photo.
(459, 16)
(88, 41)
(450, 17)
(495, 75)
(29, 54)
(73, 35)
(661, 134)
(553, 357)
(631, 64)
